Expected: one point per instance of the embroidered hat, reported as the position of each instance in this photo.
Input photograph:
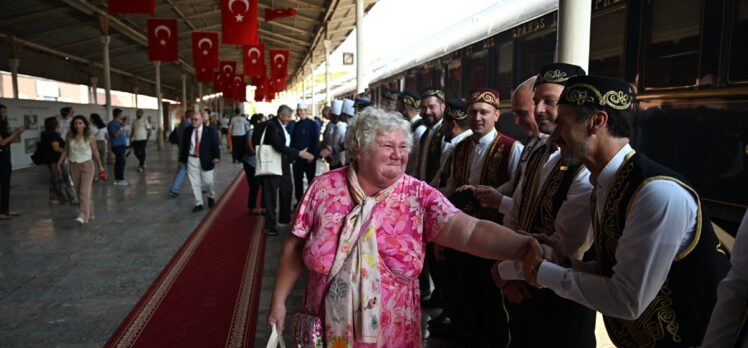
(433, 92)
(597, 91)
(390, 94)
(362, 102)
(410, 97)
(558, 73)
(485, 95)
(337, 107)
(456, 109)
(348, 107)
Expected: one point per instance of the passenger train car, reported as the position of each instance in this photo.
(688, 59)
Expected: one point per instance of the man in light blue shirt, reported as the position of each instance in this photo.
(118, 137)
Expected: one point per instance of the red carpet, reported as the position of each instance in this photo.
(207, 296)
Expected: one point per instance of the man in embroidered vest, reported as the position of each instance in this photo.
(409, 104)
(486, 158)
(456, 129)
(389, 99)
(551, 199)
(656, 259)
(430, 149)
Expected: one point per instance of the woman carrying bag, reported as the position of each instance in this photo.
(80, 152)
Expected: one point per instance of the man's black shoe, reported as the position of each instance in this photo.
(271, 232)
(197, 208)
(173, 194)
(211, 202)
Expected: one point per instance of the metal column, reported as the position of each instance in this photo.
(14, 63)
(328, 98)
(160, 111)
(574, 32)
(184, 91)
(105, 39)
(361, 83)
(313, 106)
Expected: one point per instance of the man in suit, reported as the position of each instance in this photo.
(201, 151)
(278, 137)
(304, 136)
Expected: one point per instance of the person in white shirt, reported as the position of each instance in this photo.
(238, 127)
(409, 104)
(656, 261)
(334, 147)
(456, 129)
(141, 132)
(66, 115)
(98, 128)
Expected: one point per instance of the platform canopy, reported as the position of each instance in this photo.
(60, 39)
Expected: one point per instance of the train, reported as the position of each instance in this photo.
(686, 58)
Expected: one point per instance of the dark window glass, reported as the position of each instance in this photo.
(505, 61)
(411, 81)
(478, 70)
(536, 50)
(454, 79)
(438, 76)
(424, 78)
(606, 42)
(739, 49)
(673, 48)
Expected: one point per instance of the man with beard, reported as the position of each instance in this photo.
(305, 136)
(486, 158)
(430, 145)
(656, 262)
(409, 105)
(552, 200)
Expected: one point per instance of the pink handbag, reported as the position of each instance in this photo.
(307, 330)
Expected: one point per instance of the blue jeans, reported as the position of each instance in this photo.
(119, 162)
(179, 179)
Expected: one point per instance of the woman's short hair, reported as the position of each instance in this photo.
(50, 124)
(370, 122)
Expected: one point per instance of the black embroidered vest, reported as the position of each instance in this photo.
(679, 314)
(433, 152)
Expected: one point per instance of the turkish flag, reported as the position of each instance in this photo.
(163, 40)
(279, 84)
(275, 13)
(227, 72)
(239, 89)
(254, 60)
(239, 22)
(278, 64)
(261, 86)
(204, 74)
(218, 83)
(131, 6)
(205, 49)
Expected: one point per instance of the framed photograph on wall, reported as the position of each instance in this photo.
(31, 121)
(29, 144)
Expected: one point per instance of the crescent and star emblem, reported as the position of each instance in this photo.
(165, 28)
(282, 59)
(204, 40)
(228, 69)
(249, 54)
(239, 17)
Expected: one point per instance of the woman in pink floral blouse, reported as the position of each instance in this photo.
(361, 232)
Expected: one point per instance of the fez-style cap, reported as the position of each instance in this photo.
(362, 102)
(456, 109)
(433, 92)
(348, 107)
(485, 95)
(597, 91)
(410, 97)
(558, 73)
(337, 107)
(301, 106)
(390, 94)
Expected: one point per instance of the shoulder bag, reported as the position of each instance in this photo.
(268, 158)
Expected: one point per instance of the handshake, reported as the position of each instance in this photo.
(513, 276)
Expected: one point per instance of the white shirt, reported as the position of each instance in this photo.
(99, 133)
(659, 224)
(506, 189)
(413, 157)
(64, 126)
(447, 148)
(338, 156)
(732, 294)
(572, 223)
(285, 133)
(239, 126)
(198, 130)
(140, 128)
(423, 153)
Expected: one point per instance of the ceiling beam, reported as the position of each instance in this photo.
(284, 38)
(40, 34)
(180, 14)
(32, 15)
(291, 28)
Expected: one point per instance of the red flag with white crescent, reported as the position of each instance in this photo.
(204, 74)
(254, 60)
(227, 71)
(163, 40)
(132, 6)
(278, 64)
(260, 83)
(275, 13)
(205, 49)
(218, 82)
(279, 84)
(239, 22)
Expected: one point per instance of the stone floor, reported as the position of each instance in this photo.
(63, 285)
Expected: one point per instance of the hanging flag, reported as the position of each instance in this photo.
(275, 13)
(131, 6)
(205, 49)
(260, 83)
(279, 84)
(278, 64)
(218, 82)
(238, 89)
(254, 60)
(227, 71)
(239, 22)
(204, 74)
(163, 44)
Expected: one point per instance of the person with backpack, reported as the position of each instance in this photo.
(6, 138)
(52, 145)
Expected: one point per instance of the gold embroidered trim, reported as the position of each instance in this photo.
(456, 114)
(486, 97)
(658, 319)
(238, 333)
(434, 93)
(555, 76)
(582, 93)
(408, 100)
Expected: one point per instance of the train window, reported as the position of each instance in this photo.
(411, 80)
(738, 49)
(606, 42)
(536, 50)
(424, 78)
(438, 74)
(478, 70)
(454, 79)
(673, 49)
(504, 81)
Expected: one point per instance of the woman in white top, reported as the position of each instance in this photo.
(80, 151)
(98, 129)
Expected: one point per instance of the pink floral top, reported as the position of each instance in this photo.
(412, 216)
